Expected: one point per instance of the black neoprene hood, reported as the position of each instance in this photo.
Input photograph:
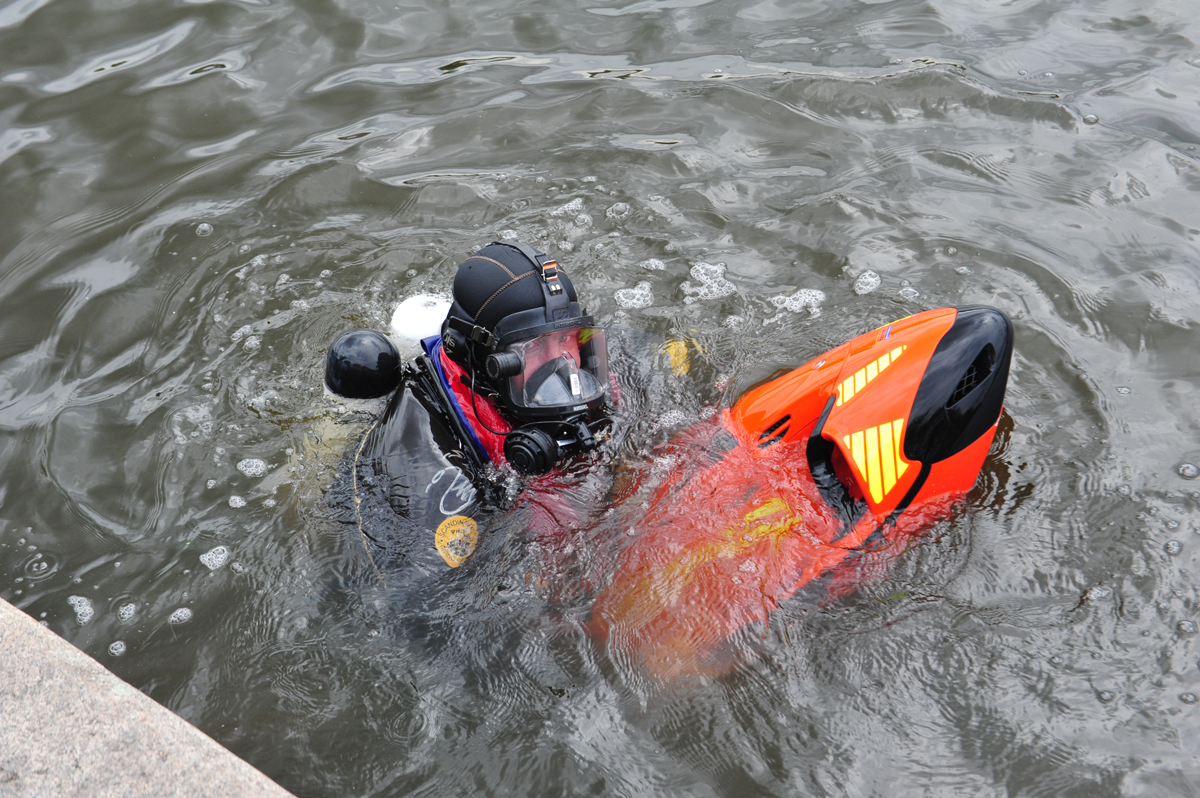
(500, 290)
(497, 281)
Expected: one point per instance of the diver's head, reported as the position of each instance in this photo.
(517, 327)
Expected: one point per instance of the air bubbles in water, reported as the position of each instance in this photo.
(712, 283)
(40, 566)
(1097, 593)
(116, 648)
(908, 293)
(83, 608)
(1022, 72)
(237, 568)
(1173, 547)
(181, 615)
(215, 558)
(573, 207)
(205, 229)
(808, 299)
(637, 297)
(867, 282)
(963, 270)
(952, 251)
(1186, 627)
(1187, 698)
(126, 611)
(253, 344)
(1189, 471)
(1106, 696)
(253, 467)
(653, 264)
(1091, 119)
(618, 211)
(237, 502)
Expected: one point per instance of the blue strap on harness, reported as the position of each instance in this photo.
(432, 346)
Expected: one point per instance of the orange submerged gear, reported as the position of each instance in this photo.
(854, 450)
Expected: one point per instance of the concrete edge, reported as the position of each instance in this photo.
(68, 727)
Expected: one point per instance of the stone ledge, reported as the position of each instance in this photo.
(68, 727)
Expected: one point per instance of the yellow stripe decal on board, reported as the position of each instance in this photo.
(863, 377)
(877, 454)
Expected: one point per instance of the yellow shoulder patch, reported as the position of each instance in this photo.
(456, 538)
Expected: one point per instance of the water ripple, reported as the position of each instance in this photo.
(122, 59)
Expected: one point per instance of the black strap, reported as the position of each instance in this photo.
(473, 332)
(557, 301)
(433, 384)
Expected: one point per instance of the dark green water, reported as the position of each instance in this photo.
(1037, 156)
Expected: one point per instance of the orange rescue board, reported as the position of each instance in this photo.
(854, 451)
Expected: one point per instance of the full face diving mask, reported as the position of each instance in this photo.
(549, 368)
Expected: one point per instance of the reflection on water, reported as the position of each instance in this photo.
(199, 196)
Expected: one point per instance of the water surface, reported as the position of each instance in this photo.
(198, 196)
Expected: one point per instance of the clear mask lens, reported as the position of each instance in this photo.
(561, 369)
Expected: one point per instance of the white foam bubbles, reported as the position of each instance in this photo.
(84, 611)
(204, 229)
(417, 317)
(181, 615)
(215, 558)
(710, 283)
(637, 297)
(867, 282)
(809, 299)
(116, 648)
(653, 264)
(617, 211)
(571, 208)
(237, 502)
(253, 467)
(126, 611)
(908, 293)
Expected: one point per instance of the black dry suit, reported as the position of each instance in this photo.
(417, 483)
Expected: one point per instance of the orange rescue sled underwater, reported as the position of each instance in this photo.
(853, 451)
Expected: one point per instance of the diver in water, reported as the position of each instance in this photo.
(519, 375)
(811, 481)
